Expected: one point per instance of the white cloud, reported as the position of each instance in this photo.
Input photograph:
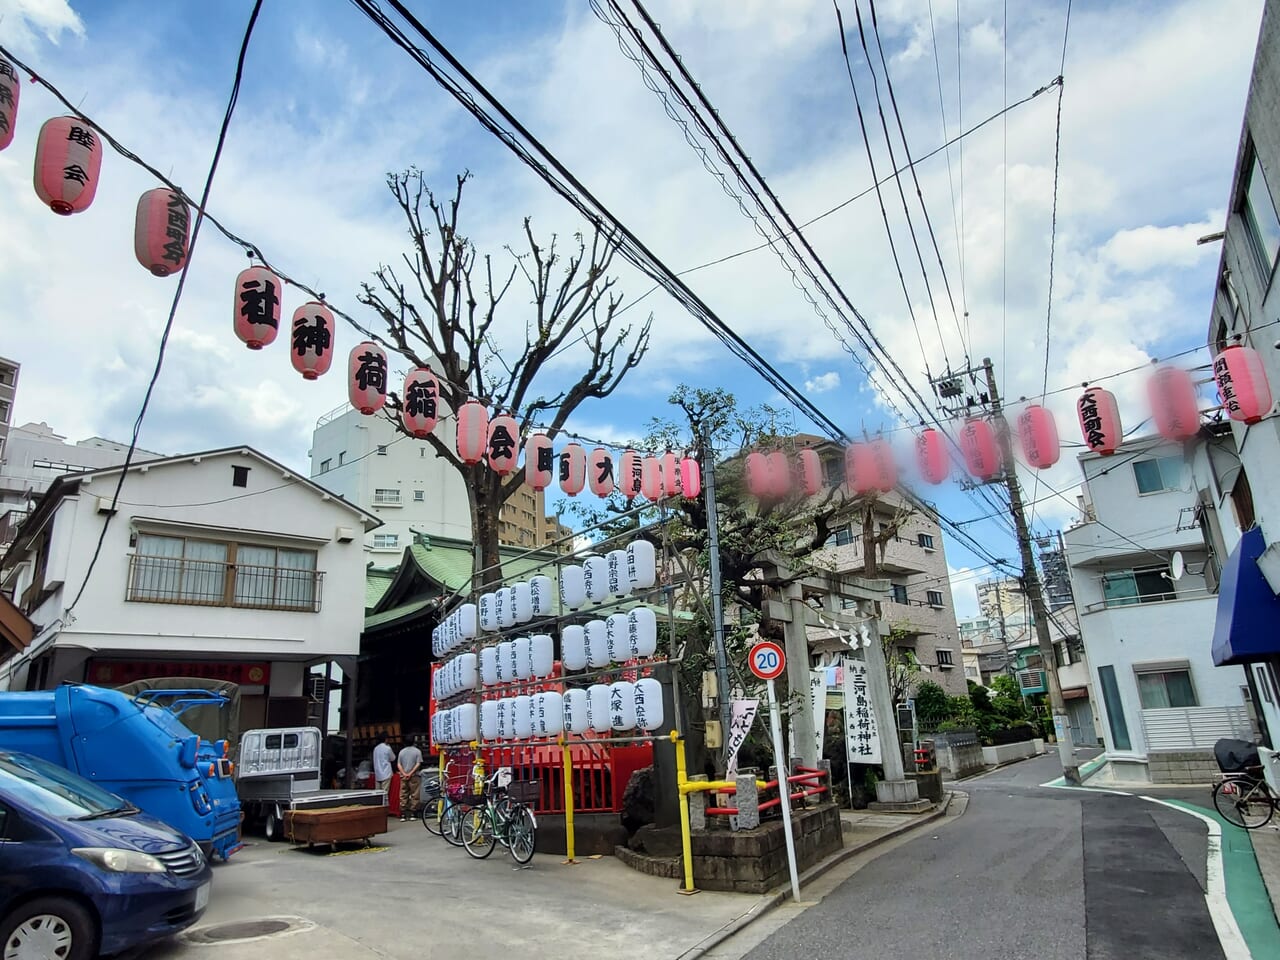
(1141, 249)
(964, 594)
(822, 382)
(24, 19)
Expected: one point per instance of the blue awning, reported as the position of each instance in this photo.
(1248, 625)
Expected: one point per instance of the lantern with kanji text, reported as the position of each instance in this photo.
(629, 471)
(68, 158)
(931, 456)
(9, 90)
(810, 472)
(651, 478)
(600, 472)
(670, 474)
(884, 469)
(161, 230)
(367, 377)
(979, 449)
(473, 432)
(1242, 383)
(573, 469)
(1038, 437)
(311, 341)
(420, 404)
(1100, 421)
(1175, 411)
(503, 449)
(257, 307)
(539, 461)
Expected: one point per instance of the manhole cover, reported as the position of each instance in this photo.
(240, 930)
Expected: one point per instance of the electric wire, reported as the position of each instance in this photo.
(955, 216)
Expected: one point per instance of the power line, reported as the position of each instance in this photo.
(942, 106)
(960, 119)
(177, 297)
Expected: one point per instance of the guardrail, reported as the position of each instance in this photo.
(802, 784)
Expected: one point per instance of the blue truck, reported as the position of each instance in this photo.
(137, 747)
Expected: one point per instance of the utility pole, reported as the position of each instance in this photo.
(1031, 584)
(717, 601)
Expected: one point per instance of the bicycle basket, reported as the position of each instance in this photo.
(524, 791)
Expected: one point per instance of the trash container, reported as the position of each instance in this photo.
(393, 795)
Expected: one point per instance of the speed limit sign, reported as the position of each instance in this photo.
(767, 660)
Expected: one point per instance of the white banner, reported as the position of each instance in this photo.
(862, 733)
(743, 716)
(818, 703)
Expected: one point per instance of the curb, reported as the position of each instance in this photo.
(780, 895)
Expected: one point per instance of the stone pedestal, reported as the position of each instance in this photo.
(898, 796)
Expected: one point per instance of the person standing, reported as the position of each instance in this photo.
(384, 759)
(409, 763)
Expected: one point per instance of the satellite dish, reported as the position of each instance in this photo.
(1176, 566)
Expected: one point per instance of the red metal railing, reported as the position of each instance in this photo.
(810, 781)
(601, 772)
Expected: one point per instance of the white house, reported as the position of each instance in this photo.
(1147, 631)
(223, 564)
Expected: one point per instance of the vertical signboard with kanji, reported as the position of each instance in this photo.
(862, 733)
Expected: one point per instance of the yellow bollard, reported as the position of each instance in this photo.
(568, 801)
(686, 837)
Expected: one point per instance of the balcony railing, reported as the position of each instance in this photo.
(214, 583)
(1167, 596)
(1180, 728)
(9, 525)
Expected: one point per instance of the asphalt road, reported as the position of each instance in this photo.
(1026, 872)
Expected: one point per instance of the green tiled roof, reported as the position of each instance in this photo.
(396, 613)
(449, 562)
(376, 583)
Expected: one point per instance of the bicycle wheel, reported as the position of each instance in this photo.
(522, 833)
(433, 811)
(451, 823)
(478, 832)
(1246, 803)
(503, 808)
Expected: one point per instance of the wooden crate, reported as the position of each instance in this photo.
(335, 824)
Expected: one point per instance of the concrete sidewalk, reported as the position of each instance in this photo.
(416, 898)
(1266, 848)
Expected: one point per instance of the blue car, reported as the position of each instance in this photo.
(83, 871)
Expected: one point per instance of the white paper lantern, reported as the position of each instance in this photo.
(524, 658)
(573, 589)
(648, 698)
(597, 644)
(540, 596)
(522, 602)
(595, 575)
(506, 674)
(467, 621)
(642, 564)
(489, 666)
(550, 714)
(467, 721)
(506, 607)
(489, 720)
(467, 672)
(619, 580)
(573, 647)
(542, 654)
(513, 663)
(643, 628)
(598, 707)
(576, 719)
(622, 705)
(488, 619)
(618, 637)
(523, 709)
(506, 719)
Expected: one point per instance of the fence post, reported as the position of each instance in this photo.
(748, 800)
(698, 806)
(568, 801)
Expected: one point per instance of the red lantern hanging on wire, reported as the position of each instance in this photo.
(629, 471)
(931, 456)
(600, 472)
(503, 448)
(757, 474)
(1038, 437)
(1100, 421)
(779, 474)
(690, 478)
(1242, 383)
(9, 90)
(810, 472)
(311, 340)
(539, 461)
(670, 474)
(884, 469)
(651, 478)
(573, 469)
(367, 377)
(978, 446)
(68, 159)
(473, 432)
(859, 468)
(420, 405)
(1175, 411)
(257, 307)
(161, 231)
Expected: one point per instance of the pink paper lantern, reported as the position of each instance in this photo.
(1242, 383)
(978, 446)
(367, 377)
(931, 456)
(420, 405)
(473, 432)
(539, 461)
(161, 230)
(1038, 437)
(9, 90)
(670, 474)
(311, 343)
(779, 474)
(1175, 411)
(884, 469)
(629, 473)
(651, 478)
(257, 307)
(860, 469)
(1100, 421)
(68, 158)
(757, 474)
(504, 444)
(573, 469)
(690, 478)
(810, 472)
(600, 472)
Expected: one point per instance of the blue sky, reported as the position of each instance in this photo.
(1151, 118)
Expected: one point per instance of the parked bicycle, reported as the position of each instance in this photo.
(1242, 794)
(503, 817)
(444, 801)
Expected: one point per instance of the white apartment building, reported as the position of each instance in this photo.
(222, 565)
(9, 370)
(1160, 701)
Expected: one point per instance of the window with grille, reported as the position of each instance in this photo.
(386, 541)
(925, 540)
(935, 598)
(194, 571)
(944, 658)
(899, 593)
